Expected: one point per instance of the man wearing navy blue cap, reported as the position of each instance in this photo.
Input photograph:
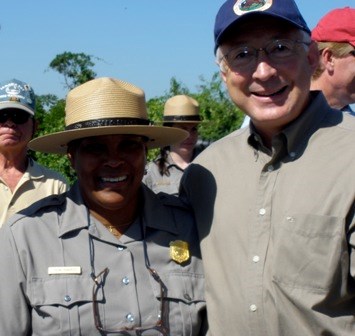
(22, 180)
(274, 202)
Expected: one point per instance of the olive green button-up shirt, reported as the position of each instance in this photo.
(50, 251)
(277, 227)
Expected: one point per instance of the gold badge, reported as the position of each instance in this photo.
(179, 251)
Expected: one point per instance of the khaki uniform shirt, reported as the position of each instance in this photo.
(36, 183)
(277, 228)
(59, 233)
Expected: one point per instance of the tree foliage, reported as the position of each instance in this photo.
(219, 114)
(76, 68)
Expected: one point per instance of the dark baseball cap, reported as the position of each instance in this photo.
(233, 10)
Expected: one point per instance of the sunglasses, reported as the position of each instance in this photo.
(17, 117)
(159, 324)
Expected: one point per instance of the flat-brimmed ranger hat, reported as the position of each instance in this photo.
(233, 11)
(106, 106)
(181, 109)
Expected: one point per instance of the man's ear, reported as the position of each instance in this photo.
(34, 127)
(327, 58)
(313, 56)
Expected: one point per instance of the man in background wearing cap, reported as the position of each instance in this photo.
(164, 173)
(22, 180)
(274, 202)
(335, 75)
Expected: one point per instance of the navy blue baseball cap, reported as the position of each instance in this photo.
(17, 94)
(233, 10)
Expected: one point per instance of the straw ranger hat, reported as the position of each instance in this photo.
(181, 109)
(105, 106)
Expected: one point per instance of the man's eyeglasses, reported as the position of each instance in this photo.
(159, 325)
(244, 57)
(17, 117)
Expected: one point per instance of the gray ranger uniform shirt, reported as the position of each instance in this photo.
(46, 284)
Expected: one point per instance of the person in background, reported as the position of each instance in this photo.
(164, 173)
(22, 180)
(274, 202)
(109, 256)
(335, 75)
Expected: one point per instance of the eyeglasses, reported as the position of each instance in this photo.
(159, 325)
(17, 117)
(244, 57)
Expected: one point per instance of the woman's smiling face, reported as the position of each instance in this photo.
(110, 169)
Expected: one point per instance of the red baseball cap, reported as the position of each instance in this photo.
(336, 26)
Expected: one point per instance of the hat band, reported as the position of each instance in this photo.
(108, 122)
(179, 118)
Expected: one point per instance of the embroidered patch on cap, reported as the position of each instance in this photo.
(245, 6)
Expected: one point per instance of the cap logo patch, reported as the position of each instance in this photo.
(13, 92)
(245, 6)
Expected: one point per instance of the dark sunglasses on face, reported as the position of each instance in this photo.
(18, 117)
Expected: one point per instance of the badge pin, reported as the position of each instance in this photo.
(179, 251)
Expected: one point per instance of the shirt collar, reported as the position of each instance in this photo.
(296, 134)
(156, 210)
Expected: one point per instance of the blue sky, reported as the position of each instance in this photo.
(139, 41)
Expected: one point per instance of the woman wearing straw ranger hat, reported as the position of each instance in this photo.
(109, 256)
(165, 172)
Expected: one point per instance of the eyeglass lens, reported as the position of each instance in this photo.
(17, 117)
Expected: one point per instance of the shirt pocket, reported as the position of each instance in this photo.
(185, 302)
(62, 305)
(308, 251)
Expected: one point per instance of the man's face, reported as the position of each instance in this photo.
(16, 130)
(273, 92)
(110, 169)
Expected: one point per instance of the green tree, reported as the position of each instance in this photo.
(75, 67)
(220, 115)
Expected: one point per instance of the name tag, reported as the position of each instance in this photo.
(64, 270)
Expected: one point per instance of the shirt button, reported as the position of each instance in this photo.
(256, 259)
(270, 168)
(253, 307)
(125, 280)
(67, 298)
(120, 248)
(292, 155)
(262, 211)
(130, 317)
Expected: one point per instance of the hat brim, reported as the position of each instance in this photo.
(159, 136)
(18, 106)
